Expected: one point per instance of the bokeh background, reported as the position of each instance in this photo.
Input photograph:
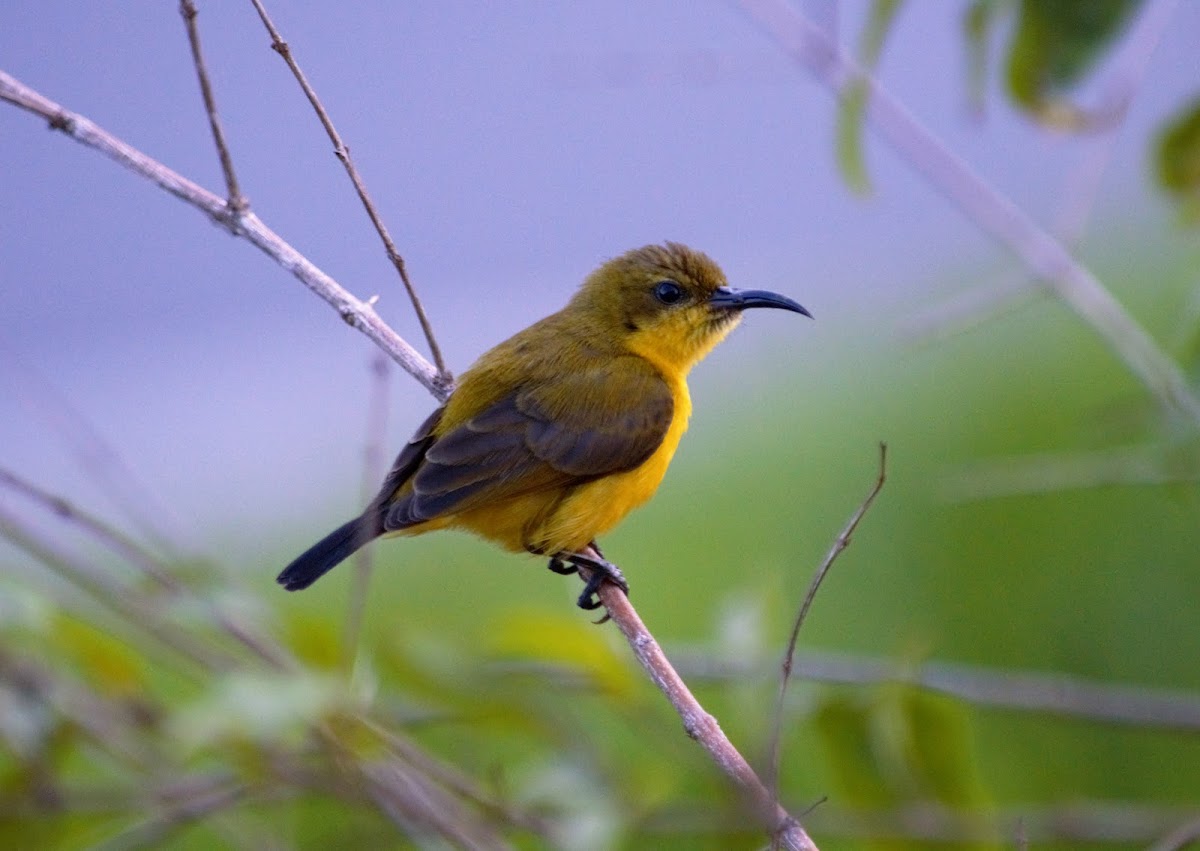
(1041, 512)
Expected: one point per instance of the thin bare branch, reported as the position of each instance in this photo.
(343, 154)
(409, 799)
(135, 608)
(839, 544)
(148, 564)
(374, 460)
(697, 723)
(455, 781)
(1179, 838)
(1050, 472)
(1026, 691)
(358, 314)
(235, 200)
(929, 824)
(120, 543)
(1045, 257)
(175, 813)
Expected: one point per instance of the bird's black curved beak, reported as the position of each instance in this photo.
(727, 298)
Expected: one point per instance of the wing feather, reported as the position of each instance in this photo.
(553, 434)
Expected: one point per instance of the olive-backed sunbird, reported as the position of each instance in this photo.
(556, 434)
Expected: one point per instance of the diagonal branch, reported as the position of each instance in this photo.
(699, 724)
(1045, 257)
(248, 635)
(358, 314)
(1079, 191)
(343, 154)
(134, 608)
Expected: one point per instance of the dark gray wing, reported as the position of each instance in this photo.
(582, 425)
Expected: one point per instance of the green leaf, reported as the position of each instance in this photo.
(936, 748)
(897, 744)
(1056, 45)
(260, 707)
(1177, 160)
(571, 644)
(853, 109)
(978, 23)
(844, 727)
(111, 665)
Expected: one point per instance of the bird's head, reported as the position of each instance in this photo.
(668, 303)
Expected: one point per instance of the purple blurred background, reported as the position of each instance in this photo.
(510, 147)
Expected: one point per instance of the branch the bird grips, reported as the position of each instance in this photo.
(557, 433)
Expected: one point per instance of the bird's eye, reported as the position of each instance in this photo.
(668, 292)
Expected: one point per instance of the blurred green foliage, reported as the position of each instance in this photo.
(1057, 44)
(1053, 48)
(1040, 514)
(1178, 159)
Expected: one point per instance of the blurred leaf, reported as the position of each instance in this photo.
(899, 743)
(935, 747)
(980, 18)
(26, 722)
(22, 609)
(1056, 44)
(108, 663)
(844, 726)
(1177, 160)
(313, 639)
(587, 814)
(853, 109)
(568, 643)
(258, 707)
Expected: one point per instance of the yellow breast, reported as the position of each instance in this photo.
(592, 509)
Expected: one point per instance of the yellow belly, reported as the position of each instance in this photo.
(567, 520)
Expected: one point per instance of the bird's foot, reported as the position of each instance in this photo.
(557, 565)
(601, 571)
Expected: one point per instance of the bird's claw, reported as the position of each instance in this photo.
(601, 571)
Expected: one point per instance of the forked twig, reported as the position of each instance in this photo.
(236, 201)
(357, 313)
(840, 543)
(343, 154)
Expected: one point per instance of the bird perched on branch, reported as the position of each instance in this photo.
(556, 434)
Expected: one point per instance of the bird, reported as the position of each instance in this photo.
(553, 436)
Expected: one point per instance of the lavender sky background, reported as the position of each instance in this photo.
(511, 147)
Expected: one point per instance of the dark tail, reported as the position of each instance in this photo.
(328, 553)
